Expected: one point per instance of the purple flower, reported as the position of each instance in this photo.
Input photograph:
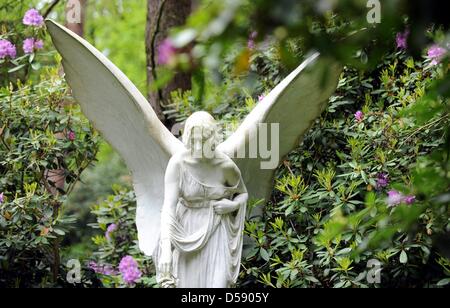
(359, 116)
(38, 44)
(410, 199)
(30, 45)
(2, 198)
(401, 39)
(109, 270)
(111, 228)
(382, 180)
(166, 52)
(94, 266)
(106, 269)
(251, 40)
(129, 269)
(435, 53)
(261, 97)
(7, 49)
(33, 18)
(394, 198)
(71, 135)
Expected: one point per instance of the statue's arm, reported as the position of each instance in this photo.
(171, 195)
(226, 206)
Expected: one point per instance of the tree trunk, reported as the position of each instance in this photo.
(75, 16)
(163, 15)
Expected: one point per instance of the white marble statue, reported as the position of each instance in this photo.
(192, 195)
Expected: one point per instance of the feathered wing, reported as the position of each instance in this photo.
(294, 103)
(126, 120)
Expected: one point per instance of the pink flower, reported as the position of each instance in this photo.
(129, 269)
(435, 53)
(106, 269)
(33, 18)
(2, 198)
(382, 180)
(71, 135)
(401, 39)
(409, 199)
(251, 40)
(111, 228)
(359, 116)
(166, 52)
(38, 44)
(7, 49)
(261, 97)
(394, 198)
(30, 45)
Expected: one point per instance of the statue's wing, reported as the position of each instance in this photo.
(294, 103)
(126, 120)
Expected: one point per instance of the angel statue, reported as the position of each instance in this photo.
(192, 194)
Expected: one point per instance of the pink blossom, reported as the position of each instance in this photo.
(38, 44)
(394, 198)
(401, 39)
(111, 228)
(30, 45)
(33, 18)
(105, 269)
(261, 97)
(7, 49)
(382, 180)
(129, 269)
(359, 116)
(435, 53)
(251, 40)
(71, 135)
(409, 199)
(166, 52)
(2, 198)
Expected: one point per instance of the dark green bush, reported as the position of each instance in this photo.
(330, 215)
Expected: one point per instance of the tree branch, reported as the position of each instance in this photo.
(50, 8)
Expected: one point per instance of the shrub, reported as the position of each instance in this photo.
(44, 146)
(330, 218)
(118, 242)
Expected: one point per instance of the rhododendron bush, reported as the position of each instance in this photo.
(363, 201)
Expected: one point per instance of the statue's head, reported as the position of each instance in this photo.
(201, 134)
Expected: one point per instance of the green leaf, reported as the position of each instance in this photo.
(16, 68)
(403, 257)
(443, 282)
(264, 254)
(59, 231)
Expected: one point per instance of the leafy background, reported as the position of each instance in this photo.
(328, 215)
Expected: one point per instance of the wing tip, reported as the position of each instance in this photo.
(52, 26)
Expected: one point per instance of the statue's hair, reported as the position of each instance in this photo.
(201, 119)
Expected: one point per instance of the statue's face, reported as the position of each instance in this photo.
(202, 142)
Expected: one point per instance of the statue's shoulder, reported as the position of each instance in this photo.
(176, 160)
(230, 167)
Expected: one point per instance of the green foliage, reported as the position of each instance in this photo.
(119, 209)
(36, 150)
(45, 144)
(117, 28)
(329, 216)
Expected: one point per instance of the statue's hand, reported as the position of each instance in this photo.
(224, 206)
(165, 260)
